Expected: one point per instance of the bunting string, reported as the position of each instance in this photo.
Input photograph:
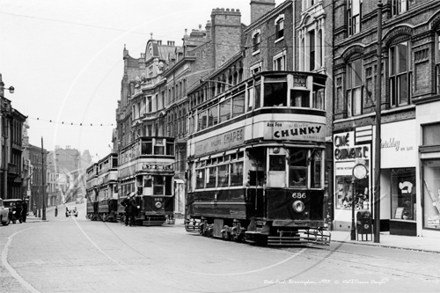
(73, 123)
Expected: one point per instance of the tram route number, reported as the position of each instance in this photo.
(299, 195)
(158, 199)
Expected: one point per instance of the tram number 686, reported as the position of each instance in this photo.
(299, 195)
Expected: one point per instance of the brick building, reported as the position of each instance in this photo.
(409, 124)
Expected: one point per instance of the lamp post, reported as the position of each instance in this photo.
(43, 184)
(378, 130)
(3, 163)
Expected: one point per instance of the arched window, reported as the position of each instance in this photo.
(354, 78)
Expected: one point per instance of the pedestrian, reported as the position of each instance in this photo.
(24, 211)
(126, 204)
(132, 211)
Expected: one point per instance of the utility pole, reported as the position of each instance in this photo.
(378, 126)
(43, 183)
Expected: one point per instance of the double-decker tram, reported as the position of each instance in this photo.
(256, 161)
(102, 189)
(146, 171)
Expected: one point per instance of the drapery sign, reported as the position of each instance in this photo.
(294, 131)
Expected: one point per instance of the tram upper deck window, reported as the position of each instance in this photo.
(225, 110)
(159, 148)
(298, 167)
(213, 116)
(299, 98)
(238, 104)
(254, 97)
(275, 91)
(146, 147)
(318, 97)
(170, 148)
(203, 120)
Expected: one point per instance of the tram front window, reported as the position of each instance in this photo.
(298, 167)
(277, 163)
(275, 92)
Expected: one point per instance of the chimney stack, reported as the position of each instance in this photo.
(260, 8)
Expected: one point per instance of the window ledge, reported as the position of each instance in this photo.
(256, 52)
(279, 40)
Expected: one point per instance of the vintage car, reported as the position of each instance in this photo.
(71, 211)
(15, 206)
(4, 214)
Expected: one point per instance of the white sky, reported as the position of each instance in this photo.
(64, 58)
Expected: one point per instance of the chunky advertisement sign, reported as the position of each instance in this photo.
(294, 131)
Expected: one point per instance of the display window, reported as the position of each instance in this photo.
(344, 193)
(431, 194)
(403, 194)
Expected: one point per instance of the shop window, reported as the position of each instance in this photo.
(344, 193)
(403, 194)
(431, 194)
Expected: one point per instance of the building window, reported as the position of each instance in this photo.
(312, 50)
(254, 69)
(399, 6)
(279, 27)
(279, 62)
(354, 88)
(437, 62)
(400, 74)
(354, 16)
(256, 42)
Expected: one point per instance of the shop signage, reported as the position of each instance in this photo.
(281, 130)
(398, 147)
(346, 150)
(220, 142)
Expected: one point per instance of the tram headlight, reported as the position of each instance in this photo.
(298, 206)
(158, 204)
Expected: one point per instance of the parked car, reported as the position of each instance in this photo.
(15, 206)
(4, 214)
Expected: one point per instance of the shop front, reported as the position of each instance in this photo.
(398, 169)
(350, 191)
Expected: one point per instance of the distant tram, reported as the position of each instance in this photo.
(143, 169)
(257, 162)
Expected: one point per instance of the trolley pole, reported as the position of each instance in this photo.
(378, 126)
